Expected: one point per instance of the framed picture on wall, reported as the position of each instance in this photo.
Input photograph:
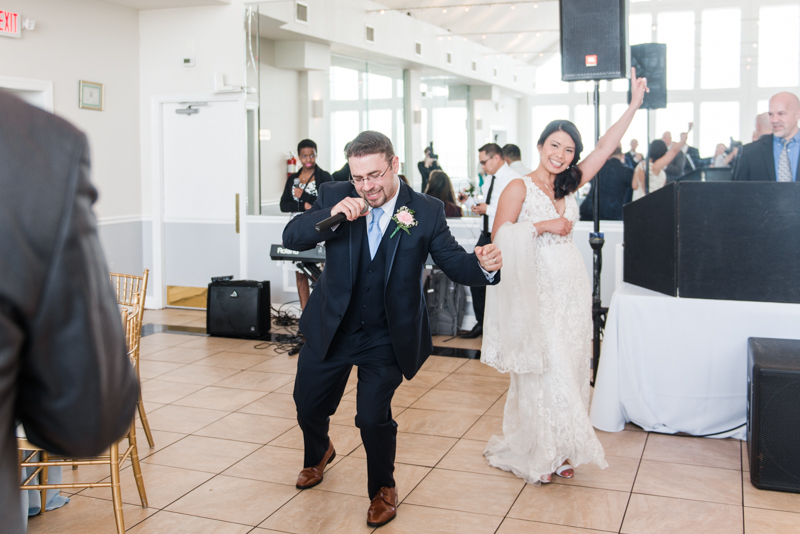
(91, 95)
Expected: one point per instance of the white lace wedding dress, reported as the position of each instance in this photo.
(546, 419)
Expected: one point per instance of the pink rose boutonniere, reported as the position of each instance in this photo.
(404, 219)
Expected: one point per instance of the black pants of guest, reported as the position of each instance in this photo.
(319, 387)
(479, 292)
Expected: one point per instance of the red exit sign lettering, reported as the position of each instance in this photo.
(10, 24)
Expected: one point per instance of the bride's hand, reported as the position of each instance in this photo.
(638, 89)
(560, 226)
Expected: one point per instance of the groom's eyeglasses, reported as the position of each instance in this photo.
(371, 177)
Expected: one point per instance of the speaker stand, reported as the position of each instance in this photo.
(596, 241)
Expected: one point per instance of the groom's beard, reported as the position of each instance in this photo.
(379, 197)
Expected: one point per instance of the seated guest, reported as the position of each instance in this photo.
(615, 189)
(65, 374)
(513, 157)
(774, 157)
(633, 157)
(659, 158)
(721, 159)
(440, 186)
(300, 194)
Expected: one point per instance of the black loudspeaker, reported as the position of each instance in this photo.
(594, 40)
(716, 240)
(650, 61)
(238, 308)
(773, 413)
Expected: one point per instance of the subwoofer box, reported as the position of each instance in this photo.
(238, 308)
(773, 413)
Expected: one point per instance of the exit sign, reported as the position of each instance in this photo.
(10, 24)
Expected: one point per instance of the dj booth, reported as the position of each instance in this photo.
(707, 265)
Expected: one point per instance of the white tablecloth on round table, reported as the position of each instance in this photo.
(680, 365)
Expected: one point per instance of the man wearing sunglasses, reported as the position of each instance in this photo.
(368, 308)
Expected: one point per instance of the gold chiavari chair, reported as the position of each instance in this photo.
(128, 287)
(28, 451)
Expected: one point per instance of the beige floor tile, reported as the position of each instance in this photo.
(153, 368)
(161, 439)
(457, 342)
(259, 348)
(279, 364)
(745, 458)
(345, 413)
(426, 379)
(633, 427)
(183, 419)
(434, 423)
(442, 364)
(692, 482)
(198, 374)
(623, 444)
(476, 367)
(247, 427)
(497, 494)
(170, 523)
(288, 389)
(467, 456)
(475, 384)
(517, 526)
(146, 351)
(486, 427)
(233, 360)
(350, 476)
(274, 404)
(178, 355)
(163, 485)
(345, 439)
(618, 476)
(571, 506)
(165, 340)
(217, 398)
(648, 514)
(321, 512)
(418, 519)
(202, 454)
(212, 343)
(164, 392)
(406, 395)
(198, 323)
(254, 380)
(85, 515)
(456, 401)
(85, 474)
(759, 521)
(498, 407)
(237, 500)
(772, 500)
(417, 449)
(708, 452)
(273, 464)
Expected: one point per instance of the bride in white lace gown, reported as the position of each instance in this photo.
(538, 324)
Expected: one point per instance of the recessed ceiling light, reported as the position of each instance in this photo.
(484, 36)
(383, 11)
(444, 10)
(541, 54)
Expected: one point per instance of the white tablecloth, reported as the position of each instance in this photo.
(680, 365)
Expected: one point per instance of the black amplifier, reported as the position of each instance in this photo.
(238, 308)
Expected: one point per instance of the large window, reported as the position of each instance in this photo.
(779, 46)
(675, 118)
(444, 123)
(720, 122)
(720, 48)
(584, 120)
(676, 29)
(548, 77)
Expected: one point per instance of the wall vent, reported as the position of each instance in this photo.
(301, 12)
(449, 58)
(418, 49)
(370, 34)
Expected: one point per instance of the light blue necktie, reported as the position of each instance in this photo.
(375, 231)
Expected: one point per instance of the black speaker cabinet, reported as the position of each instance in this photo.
(650, 61)
(594, 40)
(716, 240)
(773, 413)
(238, 308)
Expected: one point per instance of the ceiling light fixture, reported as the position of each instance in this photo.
(444, 10)
(541, 54)
(466, 9)
(383, 11)
(484, 36)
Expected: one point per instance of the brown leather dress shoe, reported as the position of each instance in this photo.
(383, 507)
(311, 476)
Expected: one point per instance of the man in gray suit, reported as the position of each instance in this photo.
(64, 372)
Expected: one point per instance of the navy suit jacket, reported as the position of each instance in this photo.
(405, 301)
(756, 162)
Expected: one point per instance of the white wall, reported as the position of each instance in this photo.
(99, 42)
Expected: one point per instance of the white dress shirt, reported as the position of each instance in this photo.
(520, 168)
(503, 177)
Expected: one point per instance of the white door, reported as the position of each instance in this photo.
(204, 181)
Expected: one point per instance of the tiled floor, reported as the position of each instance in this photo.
(228, 450)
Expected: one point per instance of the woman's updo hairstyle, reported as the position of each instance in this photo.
(657, 150)
(568, 180)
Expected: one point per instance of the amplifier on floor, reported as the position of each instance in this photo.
(238, 308)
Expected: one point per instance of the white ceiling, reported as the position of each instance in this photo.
(524, 28)
(165, 4)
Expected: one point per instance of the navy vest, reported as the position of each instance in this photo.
(367, 308)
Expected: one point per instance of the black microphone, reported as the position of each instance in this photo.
(339, 218)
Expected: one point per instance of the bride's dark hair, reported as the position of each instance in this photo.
(568, 180)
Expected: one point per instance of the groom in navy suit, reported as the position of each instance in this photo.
(368, 307)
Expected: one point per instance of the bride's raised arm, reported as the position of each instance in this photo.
(591, 164)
